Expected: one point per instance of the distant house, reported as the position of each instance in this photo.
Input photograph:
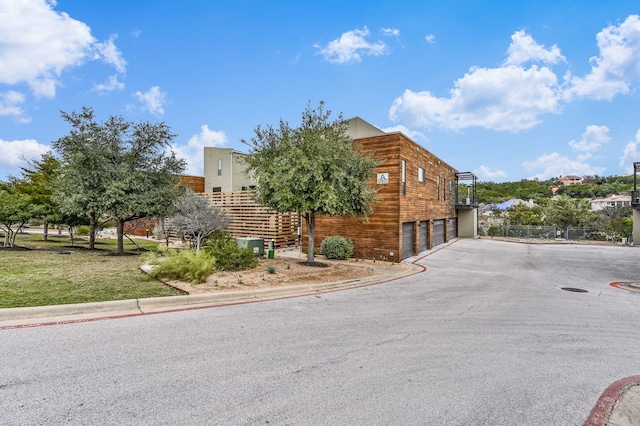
(611, 201)
(570, 180)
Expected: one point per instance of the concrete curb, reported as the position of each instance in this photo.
(613, 408)
(11, 318)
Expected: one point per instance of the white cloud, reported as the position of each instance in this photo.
(413, 134)
(39, 43)
(153, 100)
(111, 55)
(430, 38)
(524, 49)
(110, 85)
(14, 152)
(616, 68)
(10, 104)
(592, 139)
(631, 154)
(509, 98)
(391, 32)
(193, 151)
(487, 173)
(350, 47)
(554, 164)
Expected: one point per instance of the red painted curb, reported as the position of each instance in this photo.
(624, 285)
(607, 401)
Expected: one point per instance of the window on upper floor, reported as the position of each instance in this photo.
(420, 175)
(219, 167)
(404, 177)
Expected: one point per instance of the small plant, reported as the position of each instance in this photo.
(185, 265)
(337, 247)
(287, 266)
(271, 269)
(383, 258)
(228, 256)
(240, 281)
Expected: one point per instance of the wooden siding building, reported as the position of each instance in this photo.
(416, 200)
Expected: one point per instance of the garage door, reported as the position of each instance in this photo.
(424, 236)
(438, 232)
(407, 240)
(453, 228)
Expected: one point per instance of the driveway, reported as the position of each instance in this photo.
(485, 336)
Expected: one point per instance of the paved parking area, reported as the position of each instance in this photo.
(485, 336)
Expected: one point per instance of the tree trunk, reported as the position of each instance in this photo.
(310, 218)
(120, 233)
(71, 234)
(93, 224)
(45, 230)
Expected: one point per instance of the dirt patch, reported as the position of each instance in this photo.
(286, 271)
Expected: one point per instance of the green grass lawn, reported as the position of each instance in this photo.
(46, 275)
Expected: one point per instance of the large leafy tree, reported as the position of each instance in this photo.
(314, 169)
(117, 169)
(564, 212)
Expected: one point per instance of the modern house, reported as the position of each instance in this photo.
(417, 200)
(224, 170)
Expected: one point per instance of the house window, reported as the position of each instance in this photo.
(404, 177)
(219, 167)
(216, 189)
(420, 174)
(438, 186)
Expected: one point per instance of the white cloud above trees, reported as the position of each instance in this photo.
(153, 100)
(15, 152)
(351, 46)
(193, 151)
(616, 69)
(631, 154)
(516, 95)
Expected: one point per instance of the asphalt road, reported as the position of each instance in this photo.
(485, 336)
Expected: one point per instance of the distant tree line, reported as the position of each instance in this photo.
(526, 189)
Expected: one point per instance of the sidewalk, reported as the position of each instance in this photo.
(619, 405)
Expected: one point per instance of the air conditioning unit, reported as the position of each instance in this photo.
(255, 244)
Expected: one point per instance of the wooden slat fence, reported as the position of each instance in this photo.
(249, 219)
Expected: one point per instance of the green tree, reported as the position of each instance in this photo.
(16, 209)
(615, 222)
(522, 214)
(39, 180)
(118, 169)
(314, 169)
(564, 212)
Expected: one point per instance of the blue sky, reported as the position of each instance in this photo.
(506, 89)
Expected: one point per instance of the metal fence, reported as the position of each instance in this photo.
(542, 232)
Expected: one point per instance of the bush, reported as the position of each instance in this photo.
(228, 256)
(337, 247)
(83, 230)
(185, 265)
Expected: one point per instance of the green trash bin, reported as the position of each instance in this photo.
(272, 254)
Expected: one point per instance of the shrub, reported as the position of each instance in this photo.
(83, 230)
(271, 269)
(185, 265)
(228, 256)
(337, 247)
